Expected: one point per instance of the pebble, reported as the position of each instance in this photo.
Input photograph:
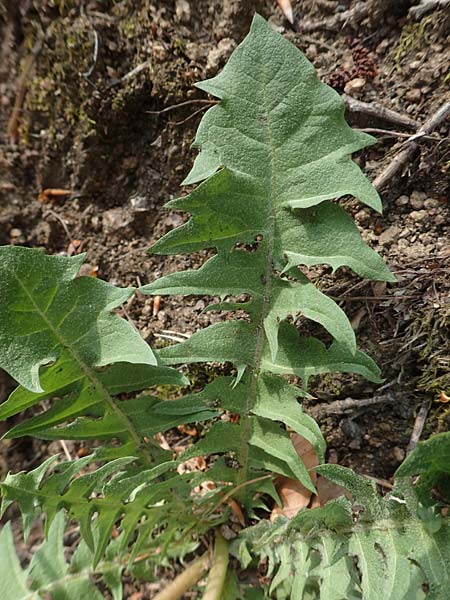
(418, 215)
(415, 64)
(399, 453)
(15, 233)
(195, 52)
(311, 51)
(115, 219)
(431, 203)
(389, 236)
(183, 11)
(354, 85)
(402, 200)
(414, 95)
(417, 200)
(363, 217)
(405, 232)
(382, 46)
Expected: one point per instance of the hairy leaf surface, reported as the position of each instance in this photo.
(374, 547)
(47, 311)
(274, 153)
(49, 574)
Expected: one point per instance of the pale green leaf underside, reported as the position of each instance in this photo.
(46, 311)
(234, 342)
(383, 550)
(243, 269)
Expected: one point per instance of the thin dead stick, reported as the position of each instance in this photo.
(375, 298)
(375, 111)
(136, 71)
(419, 424)
(65, 449)
(58, 218)
(191, 116)
(13, 122)
(410, 147)
(218, 573)
(383, 482)
(353, 15)
(185, 580)
(397, 134)
(181, 104)
(341, 406)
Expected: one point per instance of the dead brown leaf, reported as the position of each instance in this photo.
(286, 8)
(443, 397)
(293, 495)
(156, 305)
(236, 510)
(191, 431)
(52, 194)
(327, 490)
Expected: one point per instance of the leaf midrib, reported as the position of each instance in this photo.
(265, 307)
(90, 374)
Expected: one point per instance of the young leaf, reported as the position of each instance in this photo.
(274, 153)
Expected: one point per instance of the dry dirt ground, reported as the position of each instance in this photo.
(81, 84)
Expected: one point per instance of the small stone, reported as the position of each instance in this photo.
(389, 236)
(363, 217)
(382, 46)
(415, 64)
(431, 203)
(418, 215)
(195, 52)
(160, 54)
(354, 85)
(402, 200)
(88, 270)
(227, 532)
(414, 96)
(183, 11)
(15, 233)
(404, 233)
(311, 51)
(440, 220)
(417, 200)
(139, 203)
(399, 453)
(115, 219)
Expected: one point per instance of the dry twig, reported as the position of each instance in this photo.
(13, 122)
(354, 16)
(419, 424)
(425, 6)
(410, 146)
(375, 111)
(341, 406)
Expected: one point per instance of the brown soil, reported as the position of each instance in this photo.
(85, 121)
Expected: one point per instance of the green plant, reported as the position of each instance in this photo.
(275, 154)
